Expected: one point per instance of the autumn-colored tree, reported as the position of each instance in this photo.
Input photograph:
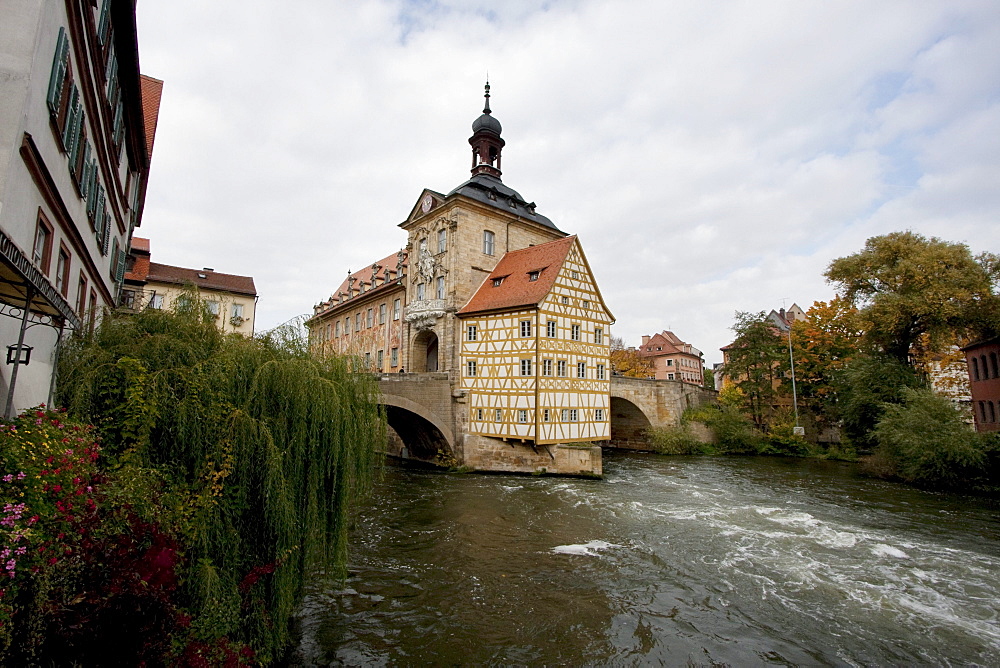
(906, 285)
(823, 343)
(755, 362)
(628, 361)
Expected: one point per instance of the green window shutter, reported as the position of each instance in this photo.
(111, 74)
(76, 138)
(113, 269)
(92, 195)
(107, 227)
(60, 66)
(85, 178)
(119, 125)
(74, 109)
(120, 269)
(104, 24)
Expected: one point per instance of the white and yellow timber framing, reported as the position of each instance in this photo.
(550, 402)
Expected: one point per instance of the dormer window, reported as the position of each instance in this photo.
(532, 275)
(497, 282)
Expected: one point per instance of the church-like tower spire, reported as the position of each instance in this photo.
(486, 142)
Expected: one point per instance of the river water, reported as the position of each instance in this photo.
(667, 561)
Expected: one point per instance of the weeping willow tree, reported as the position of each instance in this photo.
(249, 448)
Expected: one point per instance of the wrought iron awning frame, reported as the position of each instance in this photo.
(26, 294)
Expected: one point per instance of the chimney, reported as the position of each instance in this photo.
(645, 340)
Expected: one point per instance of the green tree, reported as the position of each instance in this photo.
(864, 387)
(756, 362)
(926, 441)
(248, 451)
(906, 285)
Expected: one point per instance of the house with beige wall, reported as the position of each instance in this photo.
(232, 299)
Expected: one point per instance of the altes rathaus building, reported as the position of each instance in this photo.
(491, 298)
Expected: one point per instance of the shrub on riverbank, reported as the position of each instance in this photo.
(925, 441)
(235, 460)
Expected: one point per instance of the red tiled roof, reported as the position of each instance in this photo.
(152, 91)
(140, 245)
(213, 280)
(658, 341)
(365, 275)
(516, 289)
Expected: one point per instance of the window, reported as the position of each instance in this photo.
(546, 367)
(156, 302)
(532, 275)
(479, 414)
(394, 357)
(574, 332)
(347, 325)
(488, 242)
(440, 287)
(599, 414)
(369, 321)
(574, 274)
(526, 367)
(581, 369)
(381, 314)
(238, 311)
(420, 291)
(586, 303)
(994, 366)
(379, 360)
(550, 329)
(62, 272)
(357, 322)
(497, 282)
(93, 309)
(213, 307)
(561, 368)
(522, 415)
(81, 294)
(670, 362)
(565, 299)
(564, 415)
(422, 246)
(600, 372)
(368, 361)
(395, 309)
(471, 333)
(442, 241)
(573, 415)
(670, 376)
(336, 329)
(525, 328)
(470, 368)
(497, 415)
(598, 335)
(43, 244)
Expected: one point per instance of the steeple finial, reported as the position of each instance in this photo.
(486, 109)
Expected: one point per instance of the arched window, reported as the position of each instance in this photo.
(986, 369)
(975, 368)
(993, 415)
(993, 365)
(982, 412)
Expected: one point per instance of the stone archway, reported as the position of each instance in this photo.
(628, 422)
(424, 352)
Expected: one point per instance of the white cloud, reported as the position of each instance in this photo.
(713, 157)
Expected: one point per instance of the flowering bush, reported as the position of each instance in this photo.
(47, 483)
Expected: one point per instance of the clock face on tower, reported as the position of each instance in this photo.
(426, 203)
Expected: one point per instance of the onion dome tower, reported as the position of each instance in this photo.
(486, 142)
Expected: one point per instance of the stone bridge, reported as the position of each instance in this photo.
(426, 416)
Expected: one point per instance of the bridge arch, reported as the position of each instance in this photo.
(423, 434)
(628, 421)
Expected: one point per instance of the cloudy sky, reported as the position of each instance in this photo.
(712, 156)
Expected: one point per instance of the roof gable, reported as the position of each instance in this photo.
(511, 284)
